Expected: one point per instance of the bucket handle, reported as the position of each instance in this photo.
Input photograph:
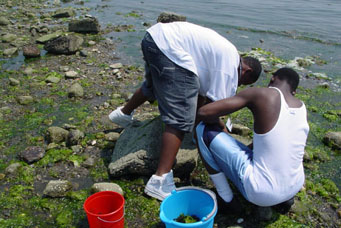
(99, 218)
(209, 193)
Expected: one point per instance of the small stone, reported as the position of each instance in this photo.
(24, 100)
(83, 53)
(57, 134)
(240, 220)
(88, 163)
(2, 176)
(76, 149)
(106, 186)
(116, 66)
(13, 82)
(4, 21)
(91, 43)
(75, 136)
(241, 130)
(8, 38)
(12, 168)
(57, 188)
(71, 74)
(10, 51)
(76, 90)
(333, 140)
(112, 136)
(52, 79)
(32, 154)
(31, 51)
(116, 71)
(28, 71)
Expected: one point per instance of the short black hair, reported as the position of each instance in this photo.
(289, 75)
(255, 65)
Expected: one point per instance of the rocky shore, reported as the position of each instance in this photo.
(57, 145)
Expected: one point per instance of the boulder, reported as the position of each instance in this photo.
(333, 140)
(32, 154)
(106, 186)
(65, 12)
(31, 51)
(57, 188)
(166, 17)
(56, 134)
(64, 45)
(76, 90)
(137, 151)
(87, 25)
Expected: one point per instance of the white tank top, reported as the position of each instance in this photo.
(276, 173)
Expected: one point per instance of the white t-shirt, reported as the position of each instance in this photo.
(276, 173)
(204, 52)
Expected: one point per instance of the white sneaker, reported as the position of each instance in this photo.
(160, 187)
(118, 117)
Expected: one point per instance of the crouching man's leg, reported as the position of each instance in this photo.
(223, 156)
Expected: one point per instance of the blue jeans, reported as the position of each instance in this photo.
(224, 154)
(176, 89)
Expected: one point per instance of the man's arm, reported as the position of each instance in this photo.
(210, 113)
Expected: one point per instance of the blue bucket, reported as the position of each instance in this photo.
(189, 201)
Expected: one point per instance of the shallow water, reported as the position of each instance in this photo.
(288, 28)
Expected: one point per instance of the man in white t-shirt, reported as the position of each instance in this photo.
(270, 171)
(186, 66)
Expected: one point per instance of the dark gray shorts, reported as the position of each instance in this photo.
(175, 88)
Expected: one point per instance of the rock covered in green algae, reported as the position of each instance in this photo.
(57, 188)
(76, 90)
(56, 134)
(333, 139)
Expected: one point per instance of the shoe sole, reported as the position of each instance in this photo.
(153, 194)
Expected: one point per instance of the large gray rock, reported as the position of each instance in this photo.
(333, 140)
(64, 45)
(137, 151)
(87, 25)
(56, 134)
(57, 188)
(166, 17)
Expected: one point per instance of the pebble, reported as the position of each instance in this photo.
(240, 220)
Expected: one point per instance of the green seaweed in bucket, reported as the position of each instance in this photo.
(187, 218)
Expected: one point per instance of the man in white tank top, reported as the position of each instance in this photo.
(270, 171)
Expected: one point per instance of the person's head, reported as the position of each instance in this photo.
(286, 75)
(250, 71)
